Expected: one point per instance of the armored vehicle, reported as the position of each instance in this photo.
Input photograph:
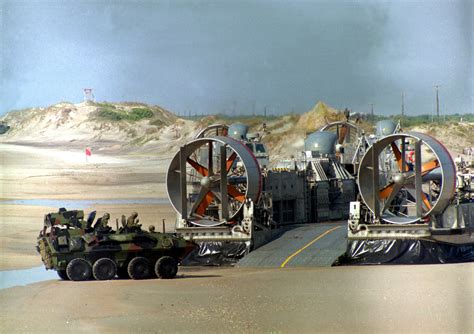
(77, 250)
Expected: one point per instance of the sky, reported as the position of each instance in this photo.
(239, 57)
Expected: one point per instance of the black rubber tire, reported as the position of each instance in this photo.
(138, 268)
(79, 270)
(63, 275)
(166, 267)
(104, 269)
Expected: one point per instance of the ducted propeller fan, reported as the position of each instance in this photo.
(210, 179)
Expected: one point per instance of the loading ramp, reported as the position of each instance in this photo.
(309, 245)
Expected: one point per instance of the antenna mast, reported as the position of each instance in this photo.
(403, 109)
(437, 102)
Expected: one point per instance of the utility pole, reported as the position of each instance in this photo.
(437, 102)
(403, 109)
(253, 108)
(371, 111)
(265, 112)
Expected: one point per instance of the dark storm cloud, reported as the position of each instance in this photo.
(215, 56)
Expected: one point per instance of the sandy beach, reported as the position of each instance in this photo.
(35, 180)
(311, 146)
(32, 177)
(233, 300)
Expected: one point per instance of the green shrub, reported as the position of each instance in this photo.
(140, 113)
(111, 115)
(104, 105)
(114, 114)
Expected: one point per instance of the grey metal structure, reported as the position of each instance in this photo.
(215, 186)
(226, 202)
(320, 143)
(313, 188)
(402, 191)
(238, 131)
(259, 150)
(385, 127)
(216, 193)
(221, 193)
(347, 132)
(213, 131)
(414, 196)
(351, 143)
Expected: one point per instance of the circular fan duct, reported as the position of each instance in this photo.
(346, 132)
(209, 180)
(213, 131)
(403, 178)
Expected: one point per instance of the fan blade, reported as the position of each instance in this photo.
(387, 190)
(235, 193)
(424, 198)
(230, 161)
(202, 194)
(398, 157)
(394, 190)
(429, 166)
(200, 168)
(426, 201)
(204, 203)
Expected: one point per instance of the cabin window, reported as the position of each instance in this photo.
(260, 148)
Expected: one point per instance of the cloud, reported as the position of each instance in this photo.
(203, 56)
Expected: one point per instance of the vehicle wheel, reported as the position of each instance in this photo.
(63, 275)
(104, 269)
(78, 270)
(166, 267)
(138, 268)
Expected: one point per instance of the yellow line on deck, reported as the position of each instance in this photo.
(288, 259)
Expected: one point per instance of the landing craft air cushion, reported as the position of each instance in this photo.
(224, 191)
(230, 198)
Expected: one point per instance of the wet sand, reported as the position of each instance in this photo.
(63, 173)
(234, 300)
(55, 173)
(20, 226)
(305, 300)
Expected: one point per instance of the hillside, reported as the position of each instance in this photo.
(102, 126)
(285, 134)
(120, 128)
(455, 136)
